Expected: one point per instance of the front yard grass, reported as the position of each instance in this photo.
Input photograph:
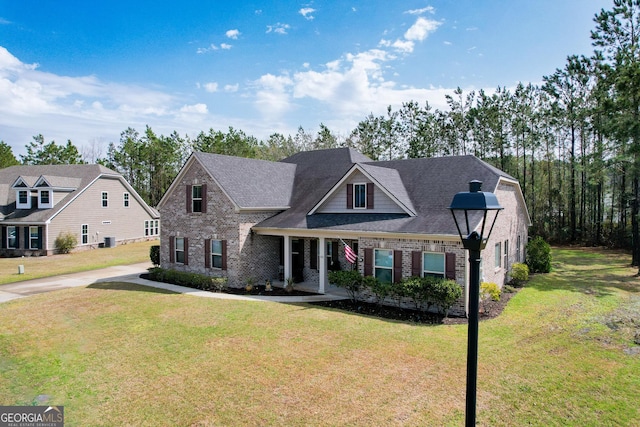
(41, 266)
(121, 354)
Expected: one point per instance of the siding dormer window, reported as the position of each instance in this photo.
(359, 196)
(44, 199)
(23, 201)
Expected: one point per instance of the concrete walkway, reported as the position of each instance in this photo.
(131, 274)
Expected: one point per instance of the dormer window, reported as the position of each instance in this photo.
(44, 199)
(360, 196)
(23, 201)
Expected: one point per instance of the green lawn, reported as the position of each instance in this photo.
(118, 354)
(37, 267)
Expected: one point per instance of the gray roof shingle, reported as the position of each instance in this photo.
(427, 185)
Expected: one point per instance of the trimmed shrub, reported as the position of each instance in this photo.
(189, 280)
(380, 289)
(538, 255)
(489, 291)
(65, 242)
(154, 255)
(445, 293)
(519, 274)
(351, 280)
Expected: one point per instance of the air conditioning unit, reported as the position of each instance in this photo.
(109, 242)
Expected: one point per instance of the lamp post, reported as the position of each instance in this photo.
(470, 210)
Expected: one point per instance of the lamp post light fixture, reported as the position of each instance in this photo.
(471, 210)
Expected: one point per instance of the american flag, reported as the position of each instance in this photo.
(350, 254)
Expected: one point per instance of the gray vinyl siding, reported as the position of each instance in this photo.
(337, 203)
(125, 223)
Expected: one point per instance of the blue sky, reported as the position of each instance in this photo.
(87, 70)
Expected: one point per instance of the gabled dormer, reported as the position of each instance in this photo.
(45, 193)
(23, 193)
(367, 189)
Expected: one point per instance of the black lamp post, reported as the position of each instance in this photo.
(470, 210)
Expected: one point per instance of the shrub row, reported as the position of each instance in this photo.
(189, 280)
(426, 292)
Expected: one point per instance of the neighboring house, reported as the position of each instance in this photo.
(245, 218)
(96, 204)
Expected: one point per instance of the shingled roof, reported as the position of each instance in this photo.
(427, 186)
(74, 178)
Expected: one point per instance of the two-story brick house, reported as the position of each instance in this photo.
(96, 204)
(245, 218)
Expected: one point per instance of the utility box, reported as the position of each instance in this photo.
(109, 242)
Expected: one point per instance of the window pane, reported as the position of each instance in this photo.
(383, 258)
(216, 246)
(196, 192)
(179, 244)
(11, 237)
(384, 274)
(434, 263)
(360, 194)
(216, 261)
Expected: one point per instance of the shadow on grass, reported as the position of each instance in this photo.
(594, 271)
(124, 286)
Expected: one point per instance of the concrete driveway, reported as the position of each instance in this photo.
(131, 274)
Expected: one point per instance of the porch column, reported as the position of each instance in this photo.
(322, 265)
(287, 258)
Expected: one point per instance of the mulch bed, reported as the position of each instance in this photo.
(488, 310)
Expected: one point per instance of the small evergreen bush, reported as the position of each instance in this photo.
(351, 280)
(519, 274)
(65, 242)
(154, 255)
(538, 255)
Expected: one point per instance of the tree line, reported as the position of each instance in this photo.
(573, 141)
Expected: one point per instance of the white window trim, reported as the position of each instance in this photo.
(83, 234)
(31, 247)
(176, 250)
(26, 205)
(497, 256)
(356, 185)
(444, 266)
(214, 254)
(195, 199)
(126, 200)
(104, 199)
(17, 230)
(375, 266)
(45, 205)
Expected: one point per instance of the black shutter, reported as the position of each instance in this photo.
(450, 266)
(26, 238)
(349, 196)
(189, 194)
(397, 266)
(186, 251)
(368, 262)
(3, 244)
(207, 253)
(204, 198)
(172, 249)
(40, 237)
(370, 195)
(224, 254)
(416, 263)
(313, 262)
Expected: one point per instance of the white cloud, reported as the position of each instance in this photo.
(210, 48)
(195, 108)
(231, 88)
(272, 97)
(225, 46)
(428, 9)
(278, 28)
(307, 13)
(233, 34)
(421, 29)
(211, 87)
